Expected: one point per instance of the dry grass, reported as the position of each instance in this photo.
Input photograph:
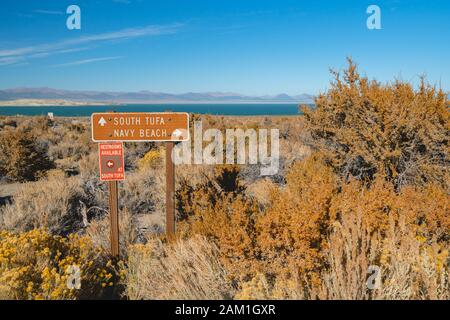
(143, 192)
(51, 204)
(352, 249)
(186, 269)
(410, 268)
(261, 191)
(99, 232)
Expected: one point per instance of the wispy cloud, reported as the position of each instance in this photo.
(70, 45)
(5, 61)
(48, 12)
(85, 61)
(46, 54)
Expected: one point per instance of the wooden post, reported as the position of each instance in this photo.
(114, 217)
(170, 191)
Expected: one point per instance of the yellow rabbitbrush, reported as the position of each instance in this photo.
(37, 265)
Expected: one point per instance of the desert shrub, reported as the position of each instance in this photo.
(96, 191)
(152, 159)
(430, 205)
(261, 191)
(286, 250)
(68, 149)
(143, 192)
(21, 157)
(98, 230)
(290, 246)
(37, 126)
(50, 204)
(352, 249)
(69, 141)
(193, 196)
(218, 210)
(262, 287)
(291, 231)
(35, 265)
(230, 225)
(392, 130)
(135, 151)
(88, 166)
(186, 269)
(424, 209)
(285, 239)
(410, 268)
(258, 288)
(7, 122)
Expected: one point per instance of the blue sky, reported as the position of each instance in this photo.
(251, 47)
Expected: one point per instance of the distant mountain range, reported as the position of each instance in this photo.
(147, 96)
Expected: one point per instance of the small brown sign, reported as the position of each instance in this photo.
(136, 126)
(111, 161)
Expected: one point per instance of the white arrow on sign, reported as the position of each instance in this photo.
(177, 133)
(102, 122)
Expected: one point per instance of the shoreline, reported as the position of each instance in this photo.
(254, 109)
(94, 104)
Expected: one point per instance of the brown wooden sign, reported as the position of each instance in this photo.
(138, 126)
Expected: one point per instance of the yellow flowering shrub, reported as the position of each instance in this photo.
(255, 289)
(152, 159)
(279, 288)
(37, 265)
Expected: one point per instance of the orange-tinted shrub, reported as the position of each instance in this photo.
(217, 211)
(291, 233)
(392, 130)
(425, 210)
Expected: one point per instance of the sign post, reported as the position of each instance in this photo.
(170, 127)
(111, 160)
(170, 191)
(114, 217)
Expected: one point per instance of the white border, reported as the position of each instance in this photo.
(140, 113)
(100, 161)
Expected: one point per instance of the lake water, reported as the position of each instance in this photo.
(215, 109)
